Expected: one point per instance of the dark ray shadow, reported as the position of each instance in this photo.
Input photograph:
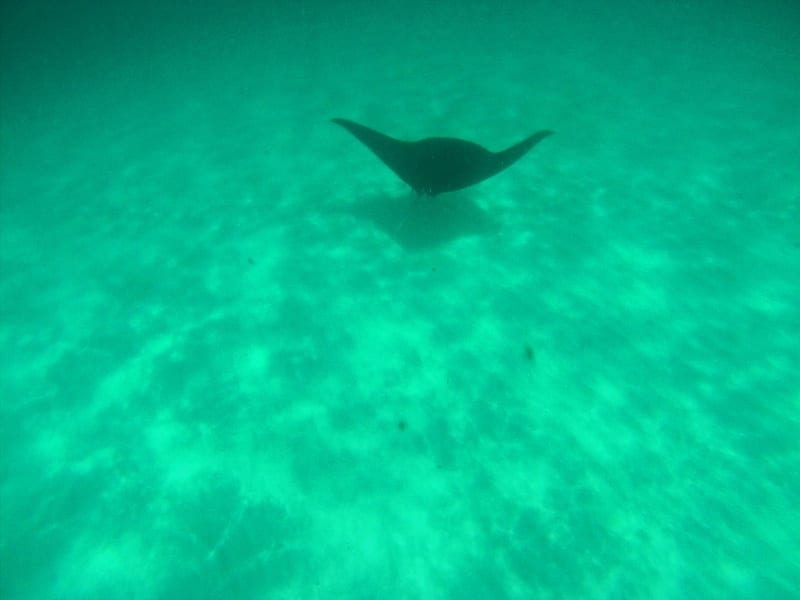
(421, 223)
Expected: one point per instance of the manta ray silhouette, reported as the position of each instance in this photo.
(439, 164)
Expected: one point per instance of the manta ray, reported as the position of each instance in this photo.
(439, 164)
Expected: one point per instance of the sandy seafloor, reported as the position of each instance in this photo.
(241, 360)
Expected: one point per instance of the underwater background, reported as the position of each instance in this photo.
(240, 359)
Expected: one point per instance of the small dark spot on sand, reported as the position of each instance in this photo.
(251, 261)
(401, 425)
(529, 355)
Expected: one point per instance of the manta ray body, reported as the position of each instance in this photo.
(439, 164)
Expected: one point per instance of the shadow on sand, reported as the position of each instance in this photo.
(421, 223)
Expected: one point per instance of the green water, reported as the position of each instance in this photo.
(240, 359)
